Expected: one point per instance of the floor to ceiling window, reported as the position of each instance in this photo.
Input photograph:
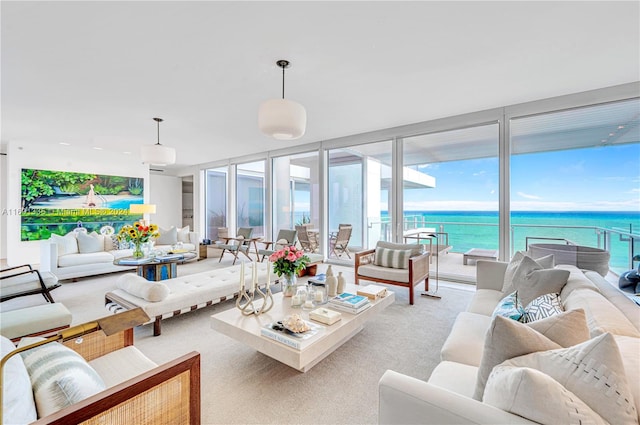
(295, 191)
(575, 178)
(216, 201)
(451, 188)
(250, 193)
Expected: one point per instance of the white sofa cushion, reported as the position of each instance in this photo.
(141, 287)
(80, 259)
(18, 406)
(523, 391)
(593, 371)
(183, 234)
(59, 376)
(465, 342)
(388, 273)
(167, 236)
(485, 301)
(121, 253)
(457, 377)
(531, 280)
(602, 315)
(508, 285)
(630, 352)
(118, 366)
(67, 244)
(88, 243)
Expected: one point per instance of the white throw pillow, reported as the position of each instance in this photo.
(546, 262)
(142, 288)
(88, 243)
(183, 235)
(538, 397)
(67, 244)
(167, 236)
(532, 281)
(60, 377)
(593, 371)
(18, 404)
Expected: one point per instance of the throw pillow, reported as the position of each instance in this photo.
(67, 244)
(509, 307)
(394, 258)
(60, 377)
(17, 395)
(544, 306)
(183, 235)
(522, 391)
(142, 288)
(593, 371)
(91, 242)
(507, 338)
(531, 280)
(546, 262)
(167, 236)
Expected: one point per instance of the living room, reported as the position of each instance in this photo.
(378, 79)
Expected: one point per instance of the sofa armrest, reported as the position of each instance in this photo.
(407, 400)
(490, 274)
(48, 256)
(171, 390)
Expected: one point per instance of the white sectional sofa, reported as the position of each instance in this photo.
(67, 257)
(447, 397)
(171, 297)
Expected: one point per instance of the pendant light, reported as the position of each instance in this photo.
(158, 154)
(280, 118)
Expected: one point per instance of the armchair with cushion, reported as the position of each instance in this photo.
(394, 264)
(241, 243)
(25, 280)
(285, 238)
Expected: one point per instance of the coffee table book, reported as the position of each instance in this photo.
(134, 261)
(348, 309)
(349, 300)
(373, 292)
(297, 341)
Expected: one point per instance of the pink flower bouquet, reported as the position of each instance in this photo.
(288, 261)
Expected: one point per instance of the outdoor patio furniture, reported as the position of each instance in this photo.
(339, 244)
(286, 237)
(308, 240)
(480, 254)
(24, 280)
(241, 243)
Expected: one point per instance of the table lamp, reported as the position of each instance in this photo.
(144, 209)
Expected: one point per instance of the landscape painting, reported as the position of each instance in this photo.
(61, 201)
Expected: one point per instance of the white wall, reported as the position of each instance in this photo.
(62, 158)
(166, 194)
(3, 207)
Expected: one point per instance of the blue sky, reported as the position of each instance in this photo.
(594, 179)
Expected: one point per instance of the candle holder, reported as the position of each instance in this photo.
(267, 297)
(245, 303)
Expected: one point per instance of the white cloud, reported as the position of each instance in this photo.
(527, 196)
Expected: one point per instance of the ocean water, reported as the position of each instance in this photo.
(479, 229)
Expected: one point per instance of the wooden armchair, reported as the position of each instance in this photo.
(25, 280)
(394, 264)
(285, 237)
(339, 243)
(168, 393)
(241, 243)
(308, 240)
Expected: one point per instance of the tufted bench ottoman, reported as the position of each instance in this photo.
(171, 297)
(33, 321)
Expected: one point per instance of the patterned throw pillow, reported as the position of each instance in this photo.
(394, 258)
(509, 307)
(118, 245)
(544, 306)
(60, 377)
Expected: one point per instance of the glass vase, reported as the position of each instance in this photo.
(137, 250)
(289, 284)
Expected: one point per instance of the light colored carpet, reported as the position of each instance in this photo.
(242, 386)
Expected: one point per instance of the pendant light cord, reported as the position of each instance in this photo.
(158, 133)
(283, 82)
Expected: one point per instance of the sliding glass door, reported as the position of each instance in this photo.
(250, 196)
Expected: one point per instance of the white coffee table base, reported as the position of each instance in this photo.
(246, 329)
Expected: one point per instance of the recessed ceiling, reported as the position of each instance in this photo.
(94, 74)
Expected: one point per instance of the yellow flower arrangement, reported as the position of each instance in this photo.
(138, 234)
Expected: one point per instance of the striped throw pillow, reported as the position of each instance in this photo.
(394, 258)
(59, 377)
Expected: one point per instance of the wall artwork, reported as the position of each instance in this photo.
(61, 201)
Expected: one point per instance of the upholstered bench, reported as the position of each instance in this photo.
(32, 321)
(171, 297)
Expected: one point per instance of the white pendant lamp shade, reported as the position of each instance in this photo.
(282, 119)
(158, 154)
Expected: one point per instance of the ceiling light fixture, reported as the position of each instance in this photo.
(158, 154)
(280, 118)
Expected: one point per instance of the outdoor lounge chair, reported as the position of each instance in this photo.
(240, 243)
(308, 240)
(285, 237)
(339, 244)
(24, 280)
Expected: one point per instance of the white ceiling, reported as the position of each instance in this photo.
(94, 74)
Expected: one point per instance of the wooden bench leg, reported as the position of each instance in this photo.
(156, 326)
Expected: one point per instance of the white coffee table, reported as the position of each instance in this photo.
(246, 329)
